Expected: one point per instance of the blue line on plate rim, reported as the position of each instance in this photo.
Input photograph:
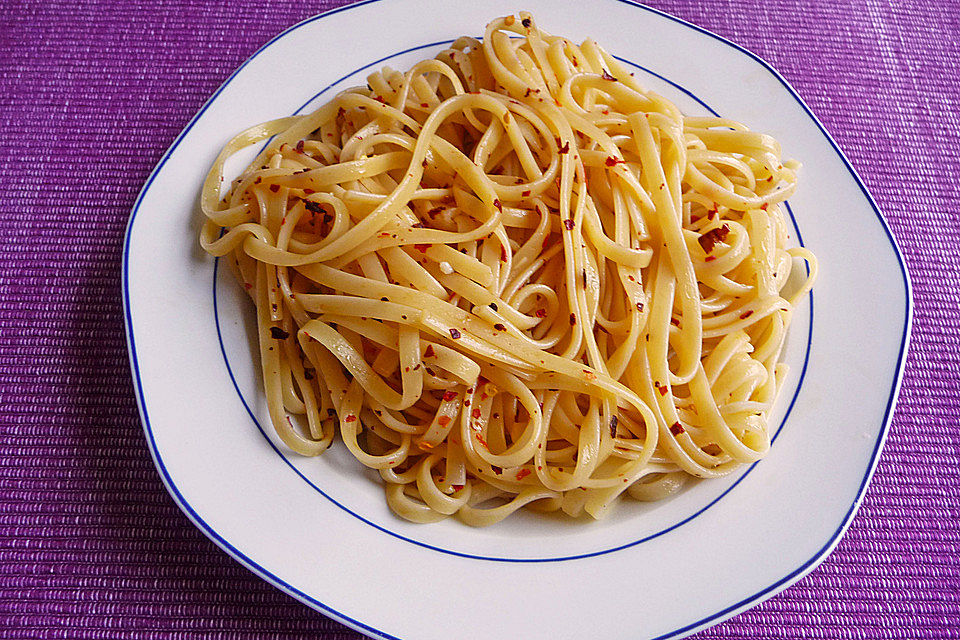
(356, 624)
(383, 529)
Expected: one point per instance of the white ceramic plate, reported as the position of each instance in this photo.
(319, 529)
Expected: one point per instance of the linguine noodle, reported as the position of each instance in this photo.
(512, 276)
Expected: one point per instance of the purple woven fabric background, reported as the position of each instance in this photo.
(91, 95)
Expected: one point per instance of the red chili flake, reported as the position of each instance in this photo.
(711, 214)
(257, 181)
(527, 94)
(429, 352)
(710, 258)
(454, 334)
(466, 403)
(746, 314)
(308, 191)
(573, 319)
(605, 112)
(496, 470)
(274, 188)
(607, 76)
(499, 327)
(497, 204)
(676, 428)
(675, 322)
(613, 426)
(300, 146)
(661, 388)
(482, 441)
(540, 313)
(443, 421)
(712, 237)
(476, 412)
(503, 253)
(639, 306)
(525, 193)
(278, 334)
(247, 286)
(523, 473)
(493, 305)
(589, 375)
(423, 105)
(695, 218)
(525, 22)
(433, 212)
(456, 487)
(565, 148)
(449, 395)
(764, 206)
(612, 162)
(313, 207)
(422, 248)
(568, 224)
(350, 418)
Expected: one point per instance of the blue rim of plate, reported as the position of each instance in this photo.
(743, 473)
(713, 618)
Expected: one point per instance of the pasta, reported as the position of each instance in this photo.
(513, 277)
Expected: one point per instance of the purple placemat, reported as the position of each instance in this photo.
(92, 93)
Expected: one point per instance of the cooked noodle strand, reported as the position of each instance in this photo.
(513, 277)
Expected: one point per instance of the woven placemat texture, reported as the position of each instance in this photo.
(92, 93)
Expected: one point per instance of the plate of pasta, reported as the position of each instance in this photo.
(519, 323)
